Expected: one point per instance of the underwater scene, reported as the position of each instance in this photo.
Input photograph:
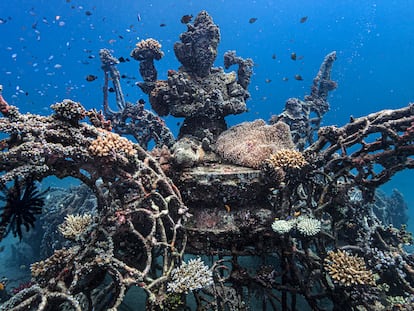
(206, 155)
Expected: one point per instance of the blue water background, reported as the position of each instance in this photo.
(47, 48)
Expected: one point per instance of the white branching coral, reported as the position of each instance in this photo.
(308, 226)
(282, 226)
(190, 276)
(74, 225)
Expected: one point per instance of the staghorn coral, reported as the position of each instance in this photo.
(251, 143)
(348, 270)
(191, 275)
(111, 144)
(75, 225)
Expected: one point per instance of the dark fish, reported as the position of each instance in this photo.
(91, 56)
(3, 21)
(274, 56)
(88, 13)
(163, 25)
(91, 78)
(252, 20)
(111, 90)
(293, 56)
(120, 37)
(121, 59)
(268, 80)
(303, 19)
(298, 77)
(185, 19)
(141, 101)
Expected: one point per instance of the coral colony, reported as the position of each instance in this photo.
(293, 197)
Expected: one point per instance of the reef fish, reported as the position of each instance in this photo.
(91, 78)
(303, 19)
(185, 19)
(293, 56)
(298, 77)
(252, 20)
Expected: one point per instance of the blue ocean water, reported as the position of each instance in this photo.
(48, 48)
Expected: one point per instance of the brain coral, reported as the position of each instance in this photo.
(251, 143)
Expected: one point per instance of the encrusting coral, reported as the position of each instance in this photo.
(348, 270)
(75, 225)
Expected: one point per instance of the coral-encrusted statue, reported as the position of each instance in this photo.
(200, 93)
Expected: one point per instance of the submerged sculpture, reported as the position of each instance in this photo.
(300, 207)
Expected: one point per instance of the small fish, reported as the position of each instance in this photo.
(296, 214)
(227, 207)
(285, 79)
(298, 77)
(163, 25)
(185, 19)
(111, 90)
(88, 13)
(268, 80)
(138, 17)
(273, 56)
(22, 267)
(252, 20)
(91, 78)
(293, 56)
(3, 21)
(121, 59)
(303, 19)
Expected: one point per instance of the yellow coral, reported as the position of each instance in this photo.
(287, 158)
(74, 225)
(348, 270)
(110, 143)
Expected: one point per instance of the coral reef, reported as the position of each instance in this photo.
(287, 159)
(348, 270)
(296, 230)
(251, 143)
(75, 225)
(139, 211)
(191, 275)
(111, 145)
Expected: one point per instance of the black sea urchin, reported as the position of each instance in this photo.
(23, 202)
